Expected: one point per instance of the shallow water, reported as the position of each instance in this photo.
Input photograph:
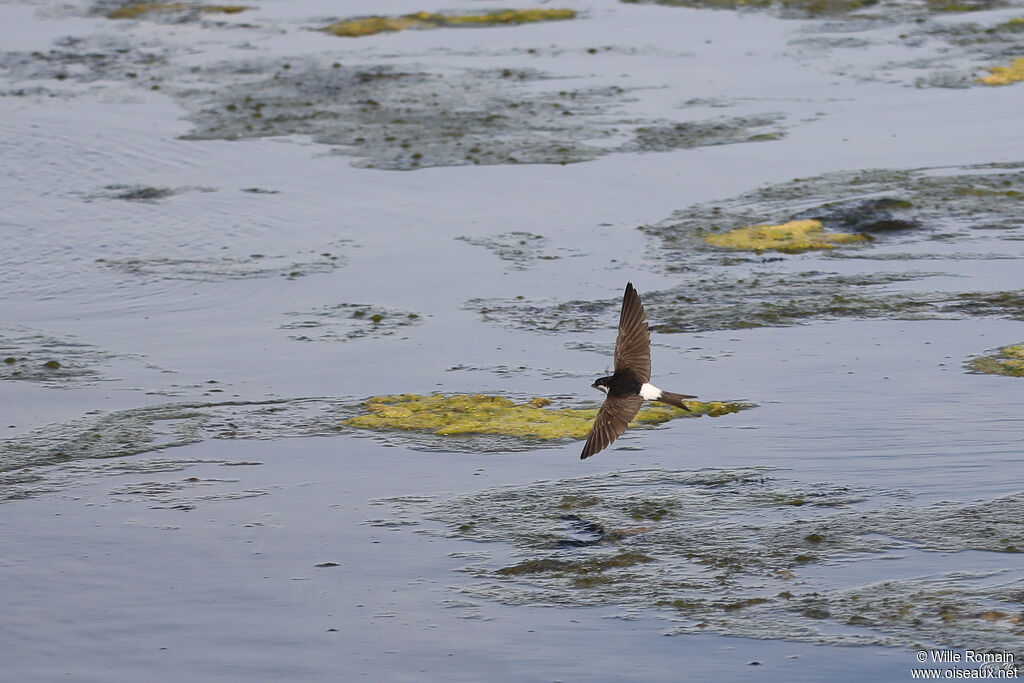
(225, 231)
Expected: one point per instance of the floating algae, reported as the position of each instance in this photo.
(413, 119)
(56, 456)
(483, 414)
(729, 300)
(344, 322)
(741, 552)
(138, 9)
(522, 249)
(32, 356)
(790, 238)
(227, 267)
(365, 26)
(820, 8)
(406, 120)
(137, 193)
(1005, 75)
(690, 134)
(1008, 360)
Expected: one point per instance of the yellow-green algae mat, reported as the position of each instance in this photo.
(744, 552)
(1005, 75)
(366, 26)
(791, 237)
(133, 10)
(484, 414)
(1008, 360)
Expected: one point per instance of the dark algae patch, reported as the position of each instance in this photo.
(85, 446)
(738, 300)
(403, 120)
(729, 552)
(344, 322)
(918, 38)
(521, 249)
(32, 356)
(828, 8)
(792, 8)
(690, 134)
(225, 267)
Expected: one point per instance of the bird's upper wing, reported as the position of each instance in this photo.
(612, 419)
(633, 346)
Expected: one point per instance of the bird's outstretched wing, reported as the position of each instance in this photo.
(612, 419)
(633, 345)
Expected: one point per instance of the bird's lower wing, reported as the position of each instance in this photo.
(612, 419)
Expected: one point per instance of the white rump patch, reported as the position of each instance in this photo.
(650, 392)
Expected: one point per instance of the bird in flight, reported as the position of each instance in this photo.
(630, 385)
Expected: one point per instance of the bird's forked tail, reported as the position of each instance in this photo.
(674, 399)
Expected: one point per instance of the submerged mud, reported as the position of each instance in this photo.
(745, 553)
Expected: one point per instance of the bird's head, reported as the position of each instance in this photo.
(602, 384)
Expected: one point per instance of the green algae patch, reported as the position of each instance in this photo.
(1008, 360)
(138, 9)
(483, 414)
(367, 26)
(1005, 75)
(792, 237)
